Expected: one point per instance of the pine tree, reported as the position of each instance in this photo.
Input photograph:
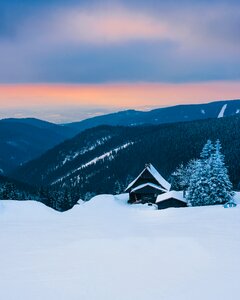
(210, 183)
(67, 200)
(207, 150)
(221, 184)
(200, 185)
(13, 192)
(176, 178)
(117, 187)
(57, 200)
(180, 178)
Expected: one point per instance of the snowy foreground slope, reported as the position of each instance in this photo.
(107, 250)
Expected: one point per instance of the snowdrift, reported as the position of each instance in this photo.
(25, 210)
(106, 249)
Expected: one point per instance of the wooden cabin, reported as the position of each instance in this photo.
(146, 187)
(171, 199)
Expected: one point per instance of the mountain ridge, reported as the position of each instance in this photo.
(25, 139)
(169, 114)
(106, 158)
(21, 140)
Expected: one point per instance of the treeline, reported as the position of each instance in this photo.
(165, 146)
(60, 200)
(9, 191)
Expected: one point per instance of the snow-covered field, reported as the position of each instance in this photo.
(107, 250)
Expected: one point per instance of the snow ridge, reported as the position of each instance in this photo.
(221, 114)
(110, 155)
(85, 150)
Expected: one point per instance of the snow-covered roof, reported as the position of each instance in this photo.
(171, 194)
(166, 185)
(148, 184)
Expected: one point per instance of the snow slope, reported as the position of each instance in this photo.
(109, 155)
(107, 250)
(222, 111)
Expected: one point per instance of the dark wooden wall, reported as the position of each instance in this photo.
(171, 203)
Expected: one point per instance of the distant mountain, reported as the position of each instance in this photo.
(24, 139)
(179, 113)
(105, 159)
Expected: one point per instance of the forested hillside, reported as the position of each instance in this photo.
(105, 159)
(24, 139)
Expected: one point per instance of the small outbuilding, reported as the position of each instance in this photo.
(147, 186)
(171, 199)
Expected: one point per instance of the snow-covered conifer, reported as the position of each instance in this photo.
(200, 185)
(180, 178)
(221, 184)
(210, 183)
(207, 150)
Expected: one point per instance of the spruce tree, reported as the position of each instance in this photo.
(210, 183)
(67, 200)
(199, 187)
(221, 184)
(117, 187)
(207, 151)
(180, 178)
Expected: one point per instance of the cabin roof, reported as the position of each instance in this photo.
(178, 195)
(166, 185)
(148, 184)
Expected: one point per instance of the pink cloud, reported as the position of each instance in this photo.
(200, 40)
(110, 26)
(117, 95)
(192, 29)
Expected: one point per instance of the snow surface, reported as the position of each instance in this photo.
(107, 154)
(221, 114)
(105, 249)
(110, 155)
(85, 149)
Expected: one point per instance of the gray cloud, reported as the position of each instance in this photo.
(49, 42)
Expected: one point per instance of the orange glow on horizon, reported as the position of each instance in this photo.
(116, 95)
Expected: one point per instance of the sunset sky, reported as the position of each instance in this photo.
(83, 58)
